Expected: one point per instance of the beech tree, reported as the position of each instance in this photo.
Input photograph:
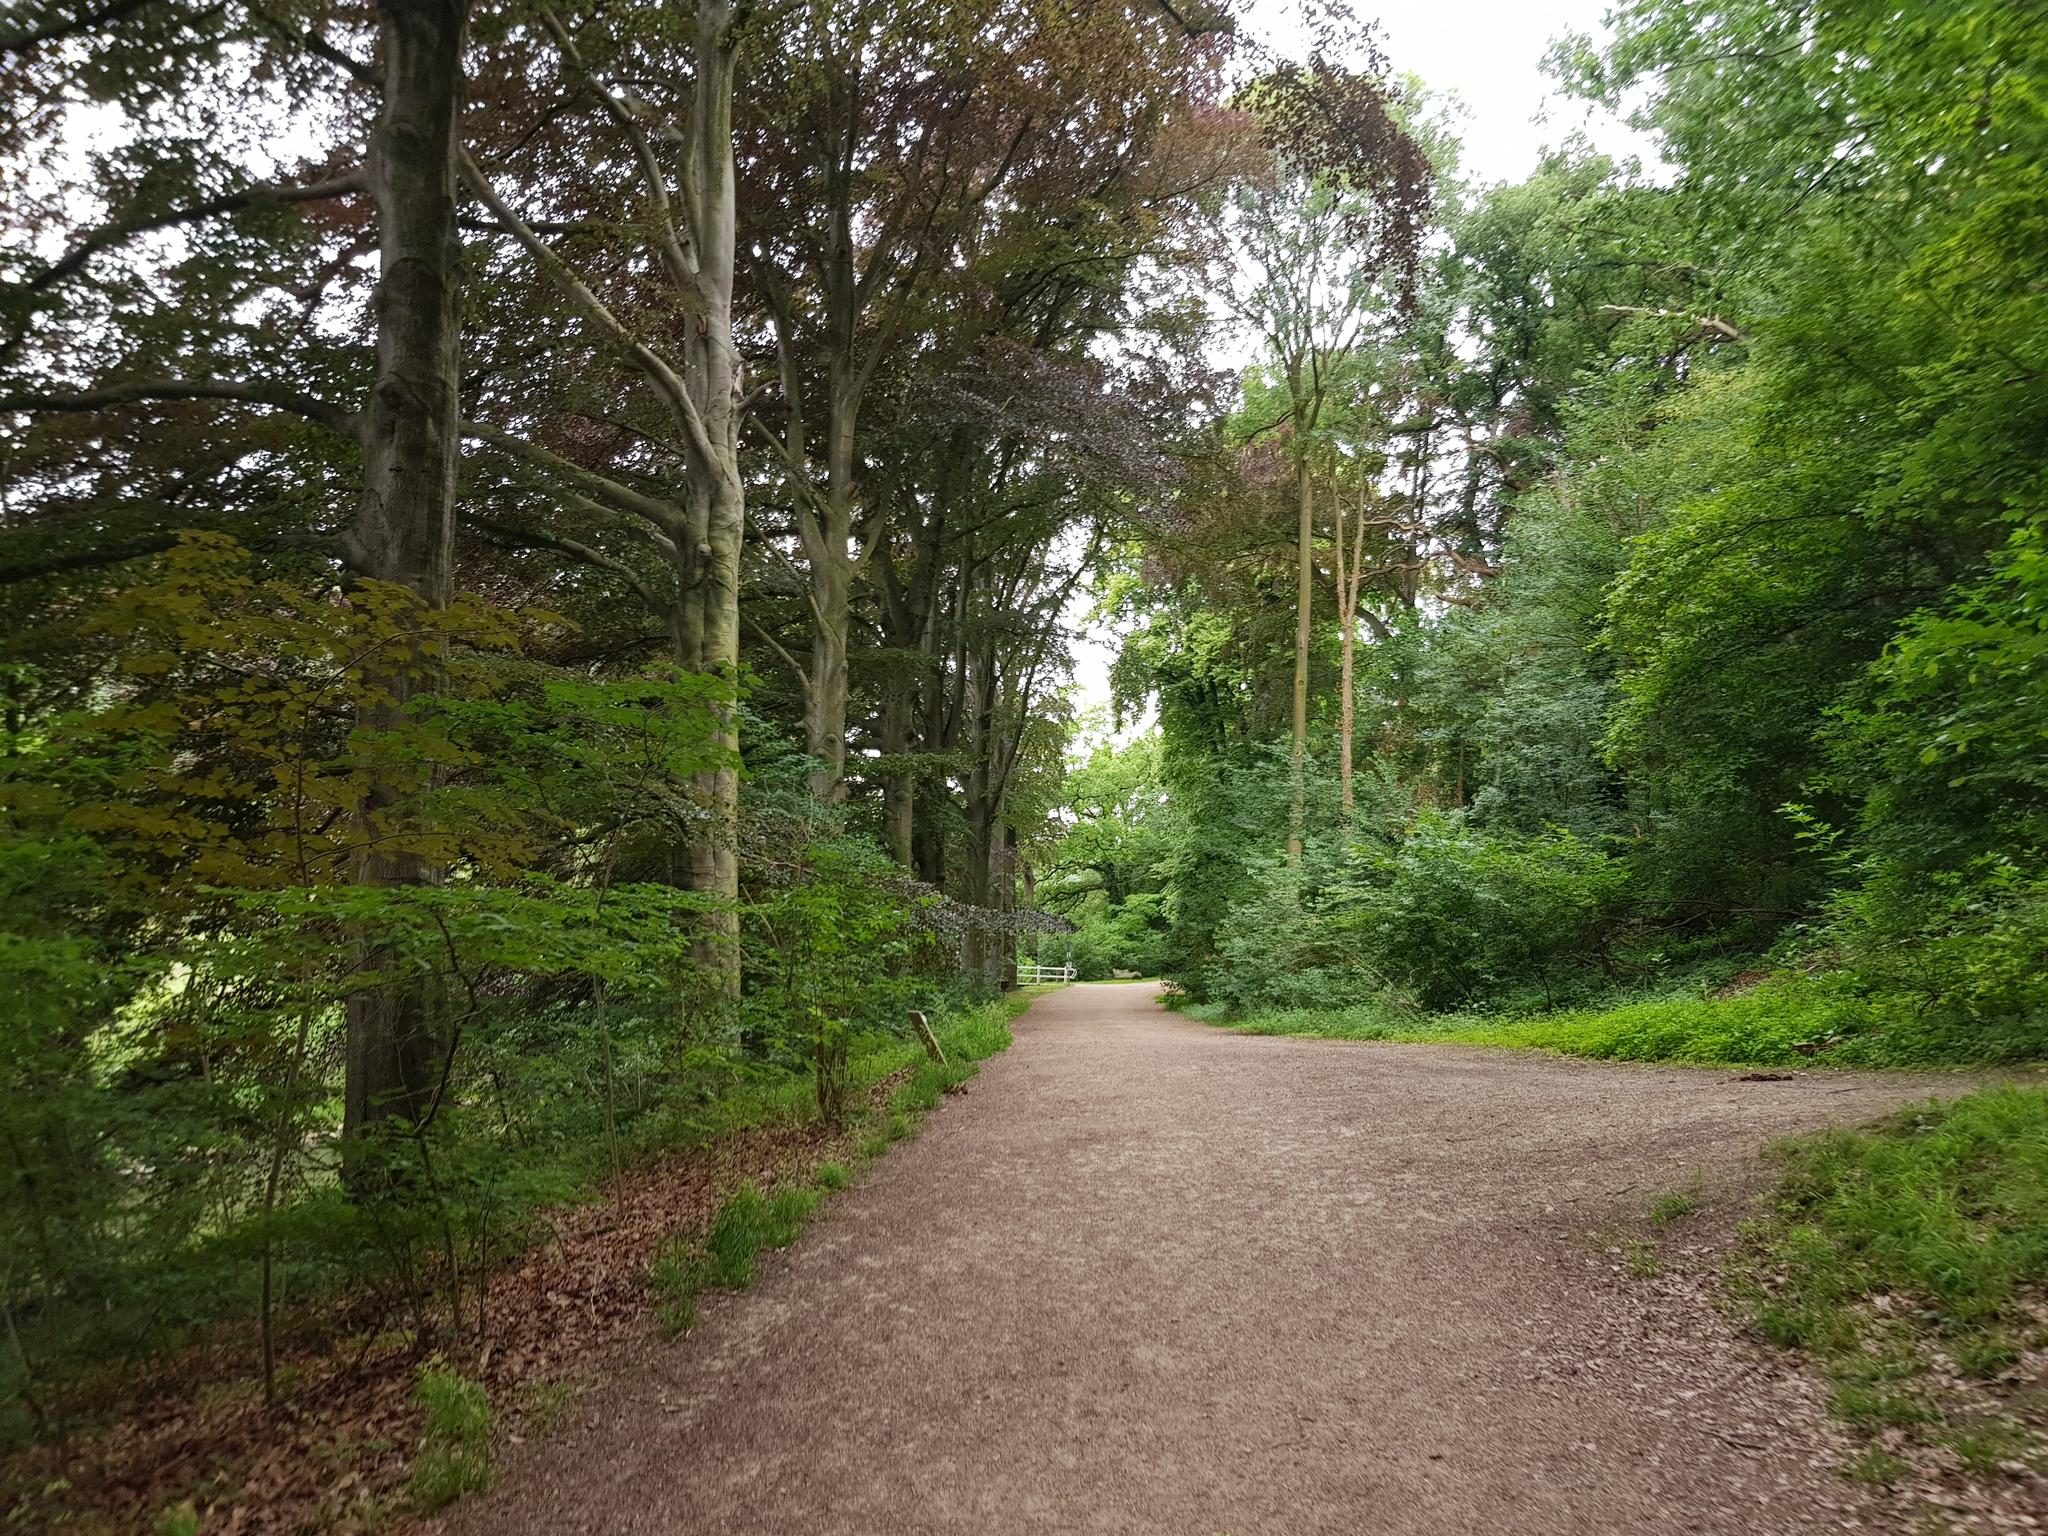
(886, 154)
(401, 531)
(660, 238)
(1340, 206)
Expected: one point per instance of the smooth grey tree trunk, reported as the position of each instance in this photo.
(715, 499)
(404, 529)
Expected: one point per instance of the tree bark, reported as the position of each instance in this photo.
(404, 529)
(1350, 586)
(825, 698)
(715, 498)
(1304, 592)
(899, 788)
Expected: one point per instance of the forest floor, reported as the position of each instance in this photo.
(1153, 1276)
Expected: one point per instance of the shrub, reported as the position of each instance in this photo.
(1452, 911)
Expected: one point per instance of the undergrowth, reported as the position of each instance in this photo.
(752, 1219)
(1911, 1258)
(1789, 1020)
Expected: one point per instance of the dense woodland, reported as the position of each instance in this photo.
(1656, 579)
(540, 545)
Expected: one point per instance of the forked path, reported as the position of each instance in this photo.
(1150, 1276)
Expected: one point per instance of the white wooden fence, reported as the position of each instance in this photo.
(1030, 973)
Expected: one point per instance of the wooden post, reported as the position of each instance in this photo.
(921, 1026)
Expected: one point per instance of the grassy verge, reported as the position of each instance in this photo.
(1790, 1020)
(1912, 1260)
(752, 1219)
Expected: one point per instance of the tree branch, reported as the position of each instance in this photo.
(803, 678)
(576, 549)
(650, 362)
(24, 38)
(622, 498)
(679, 263)
(110, 235)
(1711, 325)
(332, 417)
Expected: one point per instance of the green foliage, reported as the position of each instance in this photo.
(1729, 637)
(454, 1456)
(1791, 1020)
(1450, 911)
(1110, 871)
(1925, 1236)
(833, 938)
(1668, 1208)
(178, 855)
(1946, 1206)
(1946, 900)
(1441, 915)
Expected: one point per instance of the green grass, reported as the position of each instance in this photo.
(1921, 1241)
(1671, 1207)
(1640, 1257)
(1945, 1206)
(1767, 1026)
(723, 1260)
(1876, 1467)
(455, 1443)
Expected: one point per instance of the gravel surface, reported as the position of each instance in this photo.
(1145, 1275)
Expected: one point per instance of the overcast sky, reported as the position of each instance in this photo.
(1489, 53)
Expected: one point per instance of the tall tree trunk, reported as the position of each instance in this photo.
(825, 697)
(404, 530)
(831, 556)
(715, 499)
(1350, 586)
(976, 882)
(1004, 878)
(899, 788)
(1297, 811)
(909, 630)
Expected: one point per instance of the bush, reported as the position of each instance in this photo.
(1945, 1208)
(1445, 915)
(1451, 912)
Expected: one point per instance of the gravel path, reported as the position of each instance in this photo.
(1150, 1276)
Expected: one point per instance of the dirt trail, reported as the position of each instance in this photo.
(1150, 1276)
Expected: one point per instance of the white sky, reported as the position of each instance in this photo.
(1489, 54)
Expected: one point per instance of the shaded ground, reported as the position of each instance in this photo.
(1151, 1276)
(339, 1446)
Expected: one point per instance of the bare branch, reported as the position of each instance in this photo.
(121, 230)
(621, 498)
(653, 364)
(1710, 325)
(803, 678)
